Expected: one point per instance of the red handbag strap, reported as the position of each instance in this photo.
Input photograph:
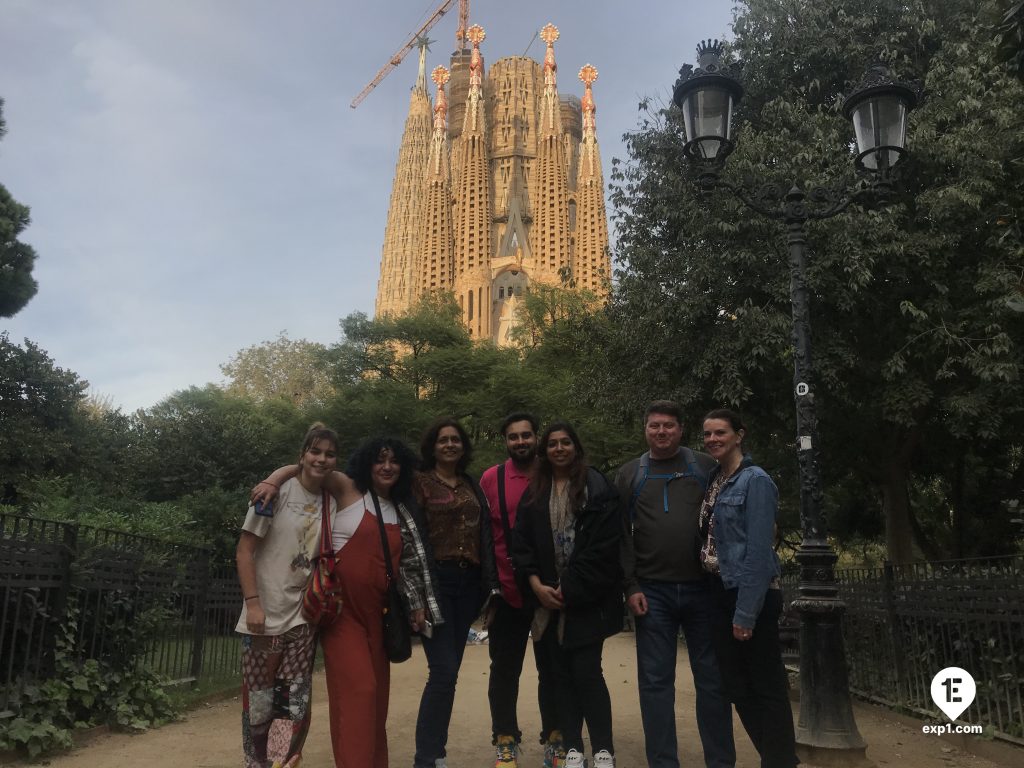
(326, 538)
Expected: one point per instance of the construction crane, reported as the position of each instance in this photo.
(460, 36)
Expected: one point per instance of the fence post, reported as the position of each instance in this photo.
(59, 607)
(892, 619)
(199, 620)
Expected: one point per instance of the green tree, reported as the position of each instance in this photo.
(284, 368)
(918, 351)
(397, 373)
(40, 414)
(203, 438)
(397, 348)
(17, 285)
(1010, 35)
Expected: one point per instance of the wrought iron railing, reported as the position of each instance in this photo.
(113, 597)
(904, 624)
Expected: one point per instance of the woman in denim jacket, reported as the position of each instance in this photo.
(737, 524)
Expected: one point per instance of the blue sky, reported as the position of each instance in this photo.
(198, 182)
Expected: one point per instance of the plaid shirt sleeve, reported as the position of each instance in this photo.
(415, 580)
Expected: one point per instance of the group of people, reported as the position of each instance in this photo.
(543, 548)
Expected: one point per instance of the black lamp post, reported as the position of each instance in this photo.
(878, 108)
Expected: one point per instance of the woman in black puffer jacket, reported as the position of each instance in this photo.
(566, 554)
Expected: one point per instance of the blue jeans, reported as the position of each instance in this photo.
(458, 593)
(692, 606)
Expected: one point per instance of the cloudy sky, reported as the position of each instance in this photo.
(198, 182)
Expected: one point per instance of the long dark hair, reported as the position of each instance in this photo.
(360, 465)
(540, 481)
(429, 441)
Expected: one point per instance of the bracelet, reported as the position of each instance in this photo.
(251, 597)
(267, 482)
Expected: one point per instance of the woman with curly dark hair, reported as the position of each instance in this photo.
(456, 517)
(379, 475)
(566, 555)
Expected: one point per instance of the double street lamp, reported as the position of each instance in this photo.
(878, 108)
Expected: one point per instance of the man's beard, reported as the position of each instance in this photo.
(521, 461)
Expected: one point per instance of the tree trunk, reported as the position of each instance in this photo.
(899, 533)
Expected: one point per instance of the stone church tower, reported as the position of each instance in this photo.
(498, 185)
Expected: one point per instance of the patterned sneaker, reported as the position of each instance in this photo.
(573, 759)
(506, 750)
(554, 752)
(604, 759)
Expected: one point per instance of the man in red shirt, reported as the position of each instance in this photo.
(508, 621)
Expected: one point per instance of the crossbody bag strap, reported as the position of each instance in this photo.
(326, 537)
(383, 537)
(503, 508)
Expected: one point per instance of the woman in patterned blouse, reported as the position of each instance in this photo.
(456, 518)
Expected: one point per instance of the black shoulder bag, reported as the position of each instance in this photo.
(397, 634)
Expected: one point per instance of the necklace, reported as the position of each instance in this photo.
(726, 474)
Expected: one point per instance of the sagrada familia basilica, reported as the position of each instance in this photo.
(498, 186)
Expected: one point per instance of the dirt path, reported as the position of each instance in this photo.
(209, 737)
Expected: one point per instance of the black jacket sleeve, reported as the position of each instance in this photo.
(594, 570)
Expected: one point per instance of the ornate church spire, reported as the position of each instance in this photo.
(591, 262)
(550, 112)
(437, 232)
(550, 233)
(401, 264)
(473, 202)
(421, 75)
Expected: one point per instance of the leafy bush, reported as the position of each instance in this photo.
(113, 691)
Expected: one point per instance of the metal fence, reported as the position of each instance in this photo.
(904, 624)
(110, 596)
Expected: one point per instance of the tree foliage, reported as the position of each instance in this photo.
(283, 368)
(204, 437)
(1010, 35)
(40, 414)
(17, 286)
(918, 349)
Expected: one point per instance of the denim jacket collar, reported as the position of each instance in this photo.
(746, 461)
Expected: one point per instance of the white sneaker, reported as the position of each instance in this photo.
(604, 759)
(573, 759)
(440, 763)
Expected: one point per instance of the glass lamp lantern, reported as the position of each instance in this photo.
(706, 96)
(878, 108)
